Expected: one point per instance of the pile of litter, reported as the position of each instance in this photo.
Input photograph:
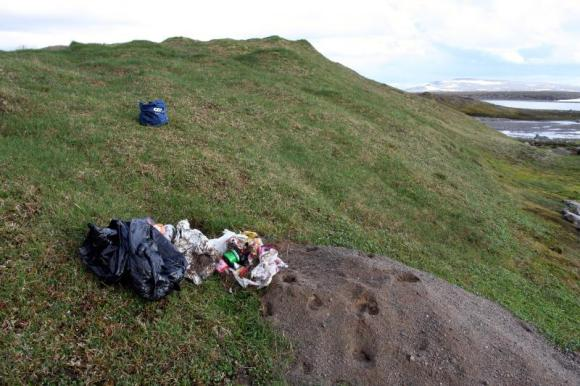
(154, 258)
(571, 213)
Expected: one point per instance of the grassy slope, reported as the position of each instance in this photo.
(267, 135)
(479, 108)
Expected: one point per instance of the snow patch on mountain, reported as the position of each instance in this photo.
(469, 84)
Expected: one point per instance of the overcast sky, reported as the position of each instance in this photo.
(402, 42)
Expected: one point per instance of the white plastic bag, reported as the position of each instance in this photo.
(220, 245)
(270, 264)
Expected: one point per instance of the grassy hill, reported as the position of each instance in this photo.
(265, 135)
(478, 108)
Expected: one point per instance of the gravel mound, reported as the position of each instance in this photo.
(363, 319)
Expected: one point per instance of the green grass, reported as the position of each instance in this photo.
(265, 135)
(478, 108)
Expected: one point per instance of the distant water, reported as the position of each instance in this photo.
(529, 129)
(538, 105)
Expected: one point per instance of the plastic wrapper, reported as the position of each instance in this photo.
(261, 275)
(199, 252)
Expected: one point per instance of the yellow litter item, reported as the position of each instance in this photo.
(250, 234)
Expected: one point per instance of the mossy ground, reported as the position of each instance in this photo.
(265, 135)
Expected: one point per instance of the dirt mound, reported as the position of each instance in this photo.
(362, 319)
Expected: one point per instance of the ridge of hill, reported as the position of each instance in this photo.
(264, 134)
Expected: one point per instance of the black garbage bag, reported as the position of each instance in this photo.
(136, 252)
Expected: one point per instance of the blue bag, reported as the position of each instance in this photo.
(153, 113)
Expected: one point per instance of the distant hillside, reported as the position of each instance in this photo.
(486, 85)
(516, 95)
(477, 108)
(264, 134)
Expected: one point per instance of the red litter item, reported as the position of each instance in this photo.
(221, 266)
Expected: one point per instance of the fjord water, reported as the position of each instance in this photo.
(529, 129)
(537, 105)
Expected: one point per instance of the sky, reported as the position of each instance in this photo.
(402, 43)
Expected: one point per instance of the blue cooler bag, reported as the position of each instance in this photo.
(153, 113)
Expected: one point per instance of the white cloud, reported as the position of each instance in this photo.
(363, 52)
(512, 56)
(503, 28)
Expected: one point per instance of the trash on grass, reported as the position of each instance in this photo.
(136, 251)
(261, 275)
(571, 213)
(573, 206)
(157, 256)
(166, 230)
(201, 256)
(221, 243)
(242, 254)
(153, 113)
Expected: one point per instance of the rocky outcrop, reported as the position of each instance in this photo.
(571, 213)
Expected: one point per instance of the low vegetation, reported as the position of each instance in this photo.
(265, 135)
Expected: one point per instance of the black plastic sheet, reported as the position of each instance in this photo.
(136, 252)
